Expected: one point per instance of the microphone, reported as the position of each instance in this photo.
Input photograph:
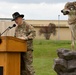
(14, 25)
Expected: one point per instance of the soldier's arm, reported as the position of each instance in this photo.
(32, 33)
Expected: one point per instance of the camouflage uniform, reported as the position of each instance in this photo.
(25, 30)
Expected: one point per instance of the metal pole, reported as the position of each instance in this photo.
(58, 27)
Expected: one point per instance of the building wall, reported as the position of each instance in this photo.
(63, 33)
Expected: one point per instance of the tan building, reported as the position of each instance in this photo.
(63, 31)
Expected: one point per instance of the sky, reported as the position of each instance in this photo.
(34, 9)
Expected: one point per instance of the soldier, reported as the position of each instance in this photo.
(25, 31)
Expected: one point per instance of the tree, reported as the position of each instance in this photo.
(48, 30)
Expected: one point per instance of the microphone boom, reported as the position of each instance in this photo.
(14, 25)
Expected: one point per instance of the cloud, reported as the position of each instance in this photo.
(37, 1)
(41, 11)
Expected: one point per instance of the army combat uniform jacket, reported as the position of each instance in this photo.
(26, 30)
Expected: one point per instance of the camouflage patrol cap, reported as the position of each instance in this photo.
(16, 15)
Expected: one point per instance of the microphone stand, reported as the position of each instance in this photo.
(2, 33)
(5, 30)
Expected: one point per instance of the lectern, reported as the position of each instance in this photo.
(10, 50)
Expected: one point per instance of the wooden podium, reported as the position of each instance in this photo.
(10, 50)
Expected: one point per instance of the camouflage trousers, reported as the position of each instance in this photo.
(26, 63)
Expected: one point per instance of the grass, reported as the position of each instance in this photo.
(44, 55)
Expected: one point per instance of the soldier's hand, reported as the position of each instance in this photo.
(23, 38)
(26, 38)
